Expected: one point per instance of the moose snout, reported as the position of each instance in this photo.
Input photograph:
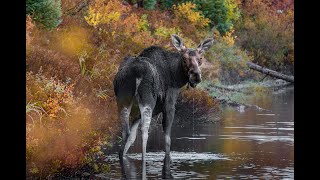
(195, 77)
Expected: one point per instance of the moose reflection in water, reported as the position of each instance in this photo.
(130, 171)
(148, 85)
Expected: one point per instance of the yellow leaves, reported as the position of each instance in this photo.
(188, 42)
(144, 39)
(187, 11)
(93, 18)
(34, 170)
(185, 7)
(228, 38)
(166, 32)
(114, 18)
(143, 24)
(73, 41)
(96, 18)
(100, 13)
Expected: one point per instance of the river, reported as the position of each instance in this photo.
(244, 144)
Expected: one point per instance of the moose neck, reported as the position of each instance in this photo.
(169, 65)
(178, 76)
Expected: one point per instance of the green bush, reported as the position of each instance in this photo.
(46, 12)
(149, 4)
(222, 13)
(231, 59)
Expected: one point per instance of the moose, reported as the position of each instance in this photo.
(150, 83)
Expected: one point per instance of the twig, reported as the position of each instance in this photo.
(264, 77)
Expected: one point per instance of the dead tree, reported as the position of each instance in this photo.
(269, 72)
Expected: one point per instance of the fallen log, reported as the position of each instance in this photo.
(226, 100)
(225, 88)
(269, 72)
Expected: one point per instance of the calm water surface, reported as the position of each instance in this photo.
(245, 144)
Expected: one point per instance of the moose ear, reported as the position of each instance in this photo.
(205, 45)
(177, 42)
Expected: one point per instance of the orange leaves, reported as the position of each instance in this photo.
(57, 140)
(52, 106)
(130, 24)
(199, 97)
(51, 94)
(29, 27)
(267, 31)
(113, 19)
(192, 24)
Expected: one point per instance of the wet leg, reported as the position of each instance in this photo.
(124, 117)
(132, 136)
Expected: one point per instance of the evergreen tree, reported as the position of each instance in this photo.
(222, 13)
(46, 12)
(149, 4)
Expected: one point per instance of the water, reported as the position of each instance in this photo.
(245, 144)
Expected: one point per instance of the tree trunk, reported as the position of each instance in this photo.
(269, 72)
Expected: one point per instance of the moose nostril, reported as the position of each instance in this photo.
(191, 72)
(198, 78)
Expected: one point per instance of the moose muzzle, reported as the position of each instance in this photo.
(194, 78)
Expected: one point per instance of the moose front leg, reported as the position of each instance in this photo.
(167, 129)
(170, 102)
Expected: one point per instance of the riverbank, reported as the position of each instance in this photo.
(241, 95)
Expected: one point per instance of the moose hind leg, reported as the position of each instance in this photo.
(132, 136)
(146, 114)
(124, 117)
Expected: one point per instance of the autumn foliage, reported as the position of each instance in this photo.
(71, 109)
(267, 32)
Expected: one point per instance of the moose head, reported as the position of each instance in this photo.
(192, 58)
